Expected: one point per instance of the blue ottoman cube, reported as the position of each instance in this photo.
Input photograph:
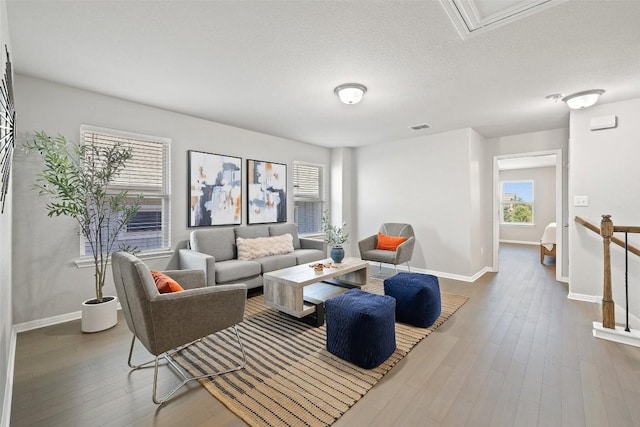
(361, 327)
(417, 298)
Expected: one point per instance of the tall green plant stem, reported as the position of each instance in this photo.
(78, 179)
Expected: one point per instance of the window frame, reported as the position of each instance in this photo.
(163, 195)
(321, 198)
(531, 203)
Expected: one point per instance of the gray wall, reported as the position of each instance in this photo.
(434, 183)
(544, 196)
(46, 281)
(604, 167)
(5, 258)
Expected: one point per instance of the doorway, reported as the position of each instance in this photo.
(552, 158)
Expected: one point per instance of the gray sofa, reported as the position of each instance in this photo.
(215, 252)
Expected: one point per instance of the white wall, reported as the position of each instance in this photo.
(5, 260)
(428, 182)
(341, 177)
(46, 282)
(605, 167)
(544, 197)
(480, 204)
(554, 139)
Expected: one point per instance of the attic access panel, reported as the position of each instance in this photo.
(473, 16)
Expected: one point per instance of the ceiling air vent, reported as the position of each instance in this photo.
(420, 127)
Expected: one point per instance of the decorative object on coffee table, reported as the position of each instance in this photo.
(334, 236)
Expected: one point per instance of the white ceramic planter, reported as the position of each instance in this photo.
(98, 317)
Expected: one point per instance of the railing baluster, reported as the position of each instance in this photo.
(626, 279)
(608, 308)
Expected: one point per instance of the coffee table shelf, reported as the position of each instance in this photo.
(298, 290)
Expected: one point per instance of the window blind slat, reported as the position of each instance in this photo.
(308, 196)
(147, 174)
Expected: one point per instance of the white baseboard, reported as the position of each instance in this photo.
(8, 387)
(520, 242)
(618, 334)
(442, 274)
(584, 297)
(49, 321)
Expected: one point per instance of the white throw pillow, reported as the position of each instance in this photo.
(264, 246)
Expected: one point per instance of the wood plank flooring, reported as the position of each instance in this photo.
(517, 353)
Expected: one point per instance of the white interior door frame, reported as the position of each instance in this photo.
(559, 198)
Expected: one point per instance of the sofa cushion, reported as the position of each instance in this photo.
(379, 255)
(276, 262)
(251, 232)
(235, 270)
(264, 246)
(280, 229)
(219, 243)
(304, 256)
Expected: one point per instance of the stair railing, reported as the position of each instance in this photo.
(606, 230)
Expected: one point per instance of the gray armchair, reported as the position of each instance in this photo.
(167, 323)
(402, 254)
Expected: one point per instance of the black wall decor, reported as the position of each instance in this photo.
(7, 129)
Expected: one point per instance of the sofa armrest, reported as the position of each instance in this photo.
(368, 244)
(192, 260)
(181, 317)
(306, 243)
(188, 279)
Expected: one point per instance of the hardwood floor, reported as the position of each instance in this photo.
(517, 353)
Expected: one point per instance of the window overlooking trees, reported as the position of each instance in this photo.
(517, 202)
(308, 196)
(146, 173)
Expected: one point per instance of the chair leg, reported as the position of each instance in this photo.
(185, 376)
(408, 267)
(131, 365)
(378, 275)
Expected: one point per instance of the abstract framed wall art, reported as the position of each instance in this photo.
(215, 189)
(266, 192)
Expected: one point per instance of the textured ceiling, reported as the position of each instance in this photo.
(271, 66)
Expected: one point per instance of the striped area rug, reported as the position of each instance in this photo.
(290, 378)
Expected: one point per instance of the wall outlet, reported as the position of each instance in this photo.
(580, 200)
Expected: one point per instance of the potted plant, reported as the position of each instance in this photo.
(76, 178)
(335, 237)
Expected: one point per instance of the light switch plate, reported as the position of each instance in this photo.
(580, 200)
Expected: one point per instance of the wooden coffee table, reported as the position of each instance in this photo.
(300, 291)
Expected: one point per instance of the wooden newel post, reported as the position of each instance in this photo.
(608, 308)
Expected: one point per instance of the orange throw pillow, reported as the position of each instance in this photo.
(389, 243)
(164, 283)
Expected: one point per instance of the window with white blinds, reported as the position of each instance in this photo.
(308, 196)
(147, 174)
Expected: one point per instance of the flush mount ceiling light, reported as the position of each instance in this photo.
(584, 99)
(350, 93)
